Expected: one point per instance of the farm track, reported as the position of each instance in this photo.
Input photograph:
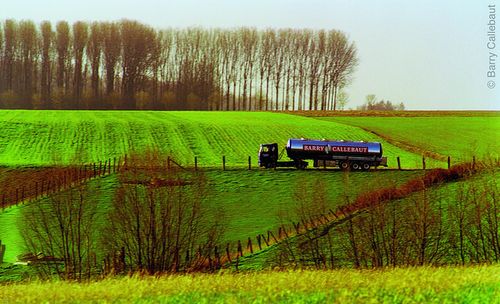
(408, 147)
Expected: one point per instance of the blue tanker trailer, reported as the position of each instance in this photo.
(357, 155)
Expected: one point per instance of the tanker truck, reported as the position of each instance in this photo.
(355, 155)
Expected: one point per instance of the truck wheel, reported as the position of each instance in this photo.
(344, 165)
(301, 165)
(356, 166)
(366, 166)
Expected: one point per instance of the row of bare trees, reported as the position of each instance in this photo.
(429, 228)
(129, 65)
(158, 221)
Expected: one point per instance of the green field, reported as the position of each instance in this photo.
(251, 201)
(441, 196)
(68, 137)
(458, 137)
(480, 284)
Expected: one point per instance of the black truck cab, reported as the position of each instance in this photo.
(268, 155)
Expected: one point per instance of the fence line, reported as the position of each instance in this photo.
(64, 178)
(224, 164)
(286, 231)
(215, 257)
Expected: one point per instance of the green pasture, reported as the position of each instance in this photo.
(458, 137)
(66, 137)
(441, 196)
(252, 202)
(476, 284)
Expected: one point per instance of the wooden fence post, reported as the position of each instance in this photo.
(114, 164)
(265, 241)
(228, 254)
(196, 163)
(100, 168)
(224, 163)
(259, 242)
(109, 166)
(274, 238)
(449, 163)
(297, 227)
(249, 245)
(2, 252)
(284, 231)
(423, 162)
(249, 162)
(399, 163)
(217, 258)
(473, 162)
(240, 250)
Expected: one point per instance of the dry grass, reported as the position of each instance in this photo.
(479, 284)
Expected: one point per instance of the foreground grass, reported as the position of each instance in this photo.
(479, 284)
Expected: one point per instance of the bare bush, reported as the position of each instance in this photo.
(62, 229)
(161, 218)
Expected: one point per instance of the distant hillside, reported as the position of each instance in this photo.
(51, 137)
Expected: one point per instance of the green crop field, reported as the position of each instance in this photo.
(442, 195)
(479, 284)
(458, 137)
(65, 137)
(251, 201)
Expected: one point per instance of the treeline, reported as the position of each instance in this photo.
(129, 65)
(371, 104)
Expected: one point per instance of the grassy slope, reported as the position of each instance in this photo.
(458, 137)
(411, 285)
(47, 137)
(445, 194)
(251, 200)
(11, 219)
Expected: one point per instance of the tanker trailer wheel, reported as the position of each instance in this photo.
(366, 166)
(344, 165)
(302, 165)
(355, 166)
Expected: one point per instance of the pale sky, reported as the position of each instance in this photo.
(427, 54)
